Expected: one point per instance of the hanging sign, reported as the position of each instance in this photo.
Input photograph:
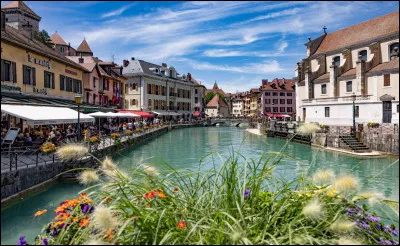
(40, 91)
(11, 88)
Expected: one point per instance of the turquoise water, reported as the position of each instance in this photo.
(183, 148)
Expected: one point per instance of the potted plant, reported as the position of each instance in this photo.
(48, 147)
(129, 132)
(115, 135)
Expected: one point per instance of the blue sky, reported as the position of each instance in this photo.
(235, 43)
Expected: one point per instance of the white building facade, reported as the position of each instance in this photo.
(237, 107)
(158, 89)
(359, 63)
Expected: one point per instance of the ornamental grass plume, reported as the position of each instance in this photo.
(108, 164)
(322, 177)
(372, 197)
(88, 177)
(72, 152)
(342, 225)
(103, 218)
(307, 128)
(314, 210)
(115, 174)
(95, 242)
(348, 241)
(150, 170)
(346, 183)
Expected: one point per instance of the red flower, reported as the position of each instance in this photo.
(150, 194)
(181, 225)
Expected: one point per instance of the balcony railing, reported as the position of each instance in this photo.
(339, 99)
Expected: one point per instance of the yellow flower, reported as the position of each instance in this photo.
(331, 192)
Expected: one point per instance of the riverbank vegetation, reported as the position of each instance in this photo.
(240, 201)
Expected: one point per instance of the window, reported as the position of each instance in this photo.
(323, 89)
(282, 101)
(289, 101)
(94, 82)
(282, 94)
(8, 71)
(77, 86)
(196, 100)
(289, 94)
(62, 49)
(69, 85)
(149, 103)
(393, 51)
(63, 81)
(386, 79)
(156, 89)
(48, 80)
(268, 109)
(362, 55)
(275, 101)
(282, 109)
(326, 111)
(289, 109)
(268, 93)
(349, 86)
(94, 98)
(274, 93)
(195, 91)
(275, 109)
(336, 61)
(29, 74)
(357, 111)
(171, 74)
(148, 89)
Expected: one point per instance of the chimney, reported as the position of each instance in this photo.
(120, 70)
(81, 59)
(164, 64)
(132, 58)
(3, 20)
(69, 48)
(189, 77)
(284, 81)
(325, 29)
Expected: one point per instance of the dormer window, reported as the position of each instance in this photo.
(394, 51)
(336, 61)
(363, 55)
(171, 73)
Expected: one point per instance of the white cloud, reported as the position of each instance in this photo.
(234, 53)
(118, 11)
(265, 67)
(282, 46)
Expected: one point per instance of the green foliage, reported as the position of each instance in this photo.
(43, 36)
(209, 96)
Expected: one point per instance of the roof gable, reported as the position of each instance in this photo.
(57, 39)
(20, 5)
(84, 47)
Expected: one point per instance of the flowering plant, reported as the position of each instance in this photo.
(94, 139)
(47, 147)
(115, 135)
(138, 129)
(373, 124)
(146, 127)
(129, 132)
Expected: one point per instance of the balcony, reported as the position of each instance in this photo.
(346, 99)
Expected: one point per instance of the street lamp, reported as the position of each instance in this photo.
(78, 100)
(354, 112)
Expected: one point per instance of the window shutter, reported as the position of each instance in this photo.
(45, 80)
(24, 74)
(14, 71)
(34, 76)
(386, 80)
(61, 83)
(53, 86)
(2, 70)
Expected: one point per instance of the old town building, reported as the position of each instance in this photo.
(278, 98)
(160, 89)
(217, 107)
(357, 63)
(59, 44)
(255, 101)
(199, 96)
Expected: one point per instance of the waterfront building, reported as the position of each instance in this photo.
(246, 103)
(359, 63)
(156, 88)
(198, 94)
(62, 46)
(255, 101)
(216, 89)
(237, 107)
(217, 107)
(278, 98)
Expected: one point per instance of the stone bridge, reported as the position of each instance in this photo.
(227, 122)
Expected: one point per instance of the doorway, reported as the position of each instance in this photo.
(387, 112)
(304, 114)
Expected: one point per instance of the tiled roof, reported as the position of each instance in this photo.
(215, 101)
(102, 72)
(196, 83)
(393, 64)
(20, 5)
(288, 85)
(9, 34)
(254, 90)
(323, 76)
(57, 39)
(362, 32)
(84, 47)
(215, 91)
(349, 73)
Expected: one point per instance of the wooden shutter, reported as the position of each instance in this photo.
(46, 80)
(14, 71)
(33, 76)
(2, 70)
(61, 82)
(53, 86)
(386, 79)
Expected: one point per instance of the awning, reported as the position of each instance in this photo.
(276, 115)
(37, 115)
(142, 114)
(286, 116)
(196, 114)
(165, 113)
(99, 115)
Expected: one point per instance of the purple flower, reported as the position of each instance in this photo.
(387, 228)
(246, 193)
(22, 241)
(62, 203)
(54, 233)
(373, 218)
(44, 241)
(395, 232)
(86, 208)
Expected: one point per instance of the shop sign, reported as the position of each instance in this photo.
(71, 72)
(11, 88)
(41, 91)
(40, 62)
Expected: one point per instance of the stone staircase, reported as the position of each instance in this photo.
(354, 144)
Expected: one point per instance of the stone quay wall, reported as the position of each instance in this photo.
(386, 143)
(17, 183)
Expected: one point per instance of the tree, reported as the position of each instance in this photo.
(43, 36)
(222, 97)
(209, 96)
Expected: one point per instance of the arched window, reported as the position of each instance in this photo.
(336, 61)
(363, 55)
(394, 51)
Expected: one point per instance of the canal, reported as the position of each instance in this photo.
(183, 148)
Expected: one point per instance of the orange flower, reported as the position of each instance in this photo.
(75, 219)
(38, 213)
(84, 222)
(161, 195)
(150, 194)
(176, 189)
(181, 225)
(82, 194)
(109, 234)
(137, 218)
(116, 213)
